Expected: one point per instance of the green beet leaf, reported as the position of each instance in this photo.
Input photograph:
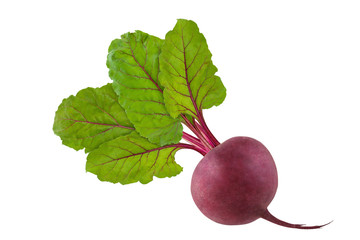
(90, 118)
(133, 63)
(187, 72)
(132, 158)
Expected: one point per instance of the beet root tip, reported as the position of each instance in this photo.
(268, 216)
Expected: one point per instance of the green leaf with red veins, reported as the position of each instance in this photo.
(132, 158)
(187, 72)
(133, 63)
(90, 118)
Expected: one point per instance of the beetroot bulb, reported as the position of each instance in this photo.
(235, 182)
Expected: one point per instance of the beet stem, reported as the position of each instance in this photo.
(268, 216)
(203, 141)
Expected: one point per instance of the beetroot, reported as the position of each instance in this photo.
(235, 182)
(133, 127)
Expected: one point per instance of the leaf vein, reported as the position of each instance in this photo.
(118, 82)
(151, 114)
(196, 54)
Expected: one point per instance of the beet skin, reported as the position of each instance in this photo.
(235, 182)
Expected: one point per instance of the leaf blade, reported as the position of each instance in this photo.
(91, 118)
(132, 158)
(134, 68)
(187, 72)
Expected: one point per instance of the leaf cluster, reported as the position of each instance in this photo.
(132, 127)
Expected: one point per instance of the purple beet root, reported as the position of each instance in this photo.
(235, 182)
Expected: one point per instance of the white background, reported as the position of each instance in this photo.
(292, 72)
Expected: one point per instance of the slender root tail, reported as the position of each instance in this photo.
(268, 216)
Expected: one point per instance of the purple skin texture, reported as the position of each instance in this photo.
(235, 182)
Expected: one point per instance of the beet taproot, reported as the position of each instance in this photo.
(235, 182)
